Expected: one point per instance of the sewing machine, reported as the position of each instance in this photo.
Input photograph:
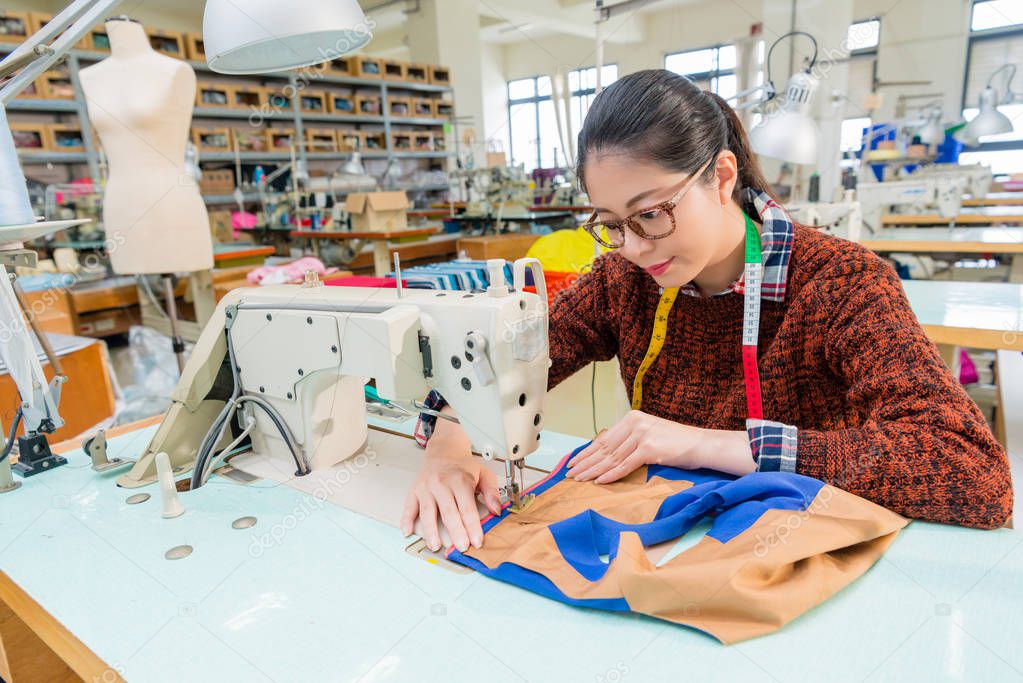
(937, 186)
(842, 219)
(286, 366)
(917, 194)
(978, 177)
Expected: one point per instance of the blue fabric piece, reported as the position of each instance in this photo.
(734, 503)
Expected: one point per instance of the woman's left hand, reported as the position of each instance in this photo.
(640, 439)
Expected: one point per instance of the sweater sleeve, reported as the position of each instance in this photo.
(580, 328)
(923, 449)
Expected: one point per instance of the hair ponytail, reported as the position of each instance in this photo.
(665, 118)
(750, 173)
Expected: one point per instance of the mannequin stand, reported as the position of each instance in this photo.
(199, 292)
(172, 316)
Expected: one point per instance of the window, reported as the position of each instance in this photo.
(711, 68)
(992, 14)
(533, 126)
(863, 35)
(996, 39)
(862, 40)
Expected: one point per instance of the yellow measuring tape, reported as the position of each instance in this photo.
(656, 343)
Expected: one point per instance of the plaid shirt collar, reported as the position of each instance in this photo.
(775, 244)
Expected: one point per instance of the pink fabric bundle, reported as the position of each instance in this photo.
(285, 273)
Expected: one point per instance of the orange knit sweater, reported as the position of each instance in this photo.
(843, 359)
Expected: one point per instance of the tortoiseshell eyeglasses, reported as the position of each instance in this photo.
(652, 223)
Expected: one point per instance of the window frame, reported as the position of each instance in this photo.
(872, 50)
(536, 99)
(709, 76)
(972, 38)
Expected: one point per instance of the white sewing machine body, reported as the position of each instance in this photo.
(921, 195)
(308, 352)
(841, 219)
(936, 187)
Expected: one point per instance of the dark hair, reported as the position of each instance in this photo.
(663, 117)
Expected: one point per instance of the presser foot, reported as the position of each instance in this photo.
(523, 503)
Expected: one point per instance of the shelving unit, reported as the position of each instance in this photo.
(304, 82)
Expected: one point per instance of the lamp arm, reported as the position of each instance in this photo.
(813, 60)
(75, 20)
(1008, 80)
(766, 86)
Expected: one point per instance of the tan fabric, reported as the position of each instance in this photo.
(784, 564)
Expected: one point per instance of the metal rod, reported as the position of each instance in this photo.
(44, 342)
(172, 314)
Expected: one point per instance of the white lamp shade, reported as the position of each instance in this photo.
(263, 36)
(988, 121)
(354, 165)
(789, 133)
(932, 132)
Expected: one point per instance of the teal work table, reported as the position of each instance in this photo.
(317, 593)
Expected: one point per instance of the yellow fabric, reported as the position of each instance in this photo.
(564, 251)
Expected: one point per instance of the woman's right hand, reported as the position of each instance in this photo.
(447, 484)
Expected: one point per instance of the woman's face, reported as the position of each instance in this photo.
(619, 186)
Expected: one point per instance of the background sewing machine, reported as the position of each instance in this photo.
(842, 219)
(937, 187)
(286, 368)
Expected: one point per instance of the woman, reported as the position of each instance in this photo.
(851, 391)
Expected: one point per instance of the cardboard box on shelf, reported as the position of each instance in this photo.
(14, 26)
(280, 139)
(312, 102)
(212, 139)
(98, 40)
(417, 73)
(221, 227)
(250, 139)
(278, 100)
(30, 137)
(342, 104)
(249, 97)
(443, 109)
(401, 142)
(170, 43)
(374, 140)
(210, 94)
(36, 90)
(422, 141)
(321, 139)
(65, 137)
(368, 67)
(58, 85)
(423, 108)
(377, 211)
(399, 106)
(440, 75)
(394, 70)
(368, 105)
(349, 140)
(341, 66)
(195, 48)
(217, 181)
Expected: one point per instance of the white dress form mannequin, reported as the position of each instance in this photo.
(140, 104)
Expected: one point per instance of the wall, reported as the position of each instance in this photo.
(920, 40)
(683, 27)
